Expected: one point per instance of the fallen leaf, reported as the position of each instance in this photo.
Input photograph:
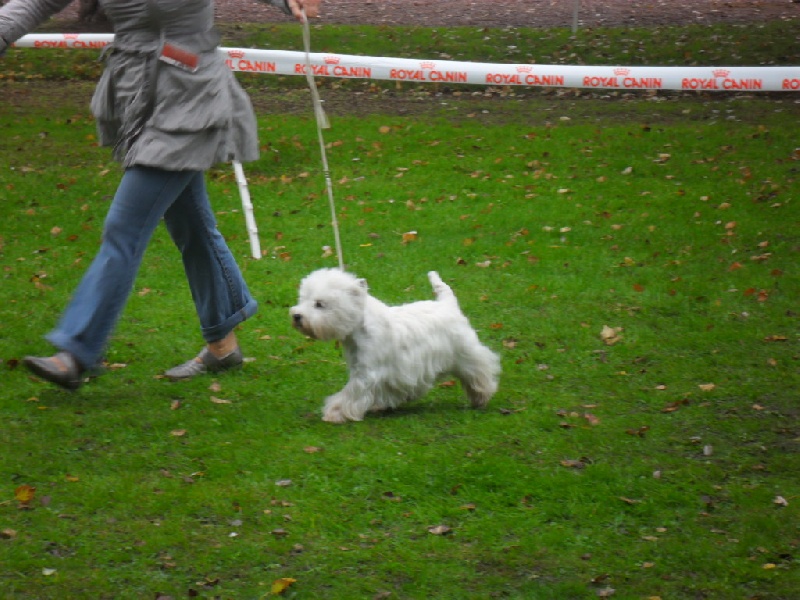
(610, 335)
(638, 432)
(24, 494)
(780, 501)
(311, 449)
(216, 400)
(707, 387)
(675, 406)
(8, 534)
(281, 585)
(178, 432)
(439, 530)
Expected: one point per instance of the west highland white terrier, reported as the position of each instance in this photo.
(394, 353)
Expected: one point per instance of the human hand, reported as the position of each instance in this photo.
(297, 7)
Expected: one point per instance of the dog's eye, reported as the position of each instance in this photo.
(318, 304)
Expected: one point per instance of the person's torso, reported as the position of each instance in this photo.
(172, 16)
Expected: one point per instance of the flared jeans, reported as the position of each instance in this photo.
(145, 196)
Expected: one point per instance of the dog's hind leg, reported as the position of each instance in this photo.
(478, 373)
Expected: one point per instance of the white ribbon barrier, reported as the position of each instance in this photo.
(346, 66)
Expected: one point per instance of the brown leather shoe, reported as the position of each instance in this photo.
(61, 369)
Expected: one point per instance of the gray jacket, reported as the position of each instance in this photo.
(184, 114)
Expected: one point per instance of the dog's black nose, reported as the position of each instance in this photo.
(297, 317)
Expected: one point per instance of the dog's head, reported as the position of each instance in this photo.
(330, 304)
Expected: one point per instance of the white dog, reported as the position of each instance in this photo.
(394, 353)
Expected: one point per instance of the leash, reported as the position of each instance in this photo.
(322, 123)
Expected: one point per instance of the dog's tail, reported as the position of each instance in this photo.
(440, 288)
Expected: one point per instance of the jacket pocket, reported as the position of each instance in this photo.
(187, 102)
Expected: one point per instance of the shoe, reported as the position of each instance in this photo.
(62, 369)
(206, 362)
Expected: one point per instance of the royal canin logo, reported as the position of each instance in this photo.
(236, 53)
(622, 71)
(524, 69)
(332, 60)
(71, 36)
(426, 64)
(721, 73)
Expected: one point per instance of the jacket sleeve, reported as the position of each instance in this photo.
(18, 17)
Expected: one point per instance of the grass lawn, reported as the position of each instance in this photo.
(633, 258)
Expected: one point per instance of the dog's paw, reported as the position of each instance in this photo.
(334, 414)
(334, 418)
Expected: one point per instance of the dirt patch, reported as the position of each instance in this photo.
(509, 13)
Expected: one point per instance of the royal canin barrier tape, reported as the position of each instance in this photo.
(346, 66)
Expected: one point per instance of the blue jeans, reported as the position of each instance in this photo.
(144, 196)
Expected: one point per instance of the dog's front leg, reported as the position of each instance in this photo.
(349, 404)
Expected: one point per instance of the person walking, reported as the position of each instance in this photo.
(170, 108)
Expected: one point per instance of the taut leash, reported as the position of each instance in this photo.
(322, 123)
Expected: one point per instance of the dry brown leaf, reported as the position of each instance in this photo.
(638, 432)
(439, 530)
(611, 335)
(675, 406)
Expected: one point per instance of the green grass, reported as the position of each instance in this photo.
(597, 466)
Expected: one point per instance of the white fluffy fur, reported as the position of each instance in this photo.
(394, 353)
